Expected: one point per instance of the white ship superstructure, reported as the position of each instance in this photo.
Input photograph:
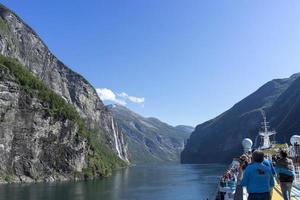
(265, 133)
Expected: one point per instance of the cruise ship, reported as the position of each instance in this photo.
(229, 181)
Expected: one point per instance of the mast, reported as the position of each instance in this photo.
(265, 133)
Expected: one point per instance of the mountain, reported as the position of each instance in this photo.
(19, 41)
(43, 138)
(149, 139)
(219, 139)
(184, 128)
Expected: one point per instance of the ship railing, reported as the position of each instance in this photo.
(245, 193)
(297, 175)
(227, 186)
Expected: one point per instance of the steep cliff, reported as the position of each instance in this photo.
(150, 140)
(18, 40)
(219, 139)
(43, 138)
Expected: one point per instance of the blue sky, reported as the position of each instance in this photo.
(190, 60)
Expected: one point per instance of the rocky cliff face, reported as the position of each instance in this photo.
(150, 140)
(32, 144)
(43, 138)
(219, 139)
(17, 40)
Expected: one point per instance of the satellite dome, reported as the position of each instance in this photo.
(295, 139)
(247, 143)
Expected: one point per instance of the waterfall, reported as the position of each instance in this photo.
(116, 138)
(125, 148)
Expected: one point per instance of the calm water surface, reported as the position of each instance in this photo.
(167, 182)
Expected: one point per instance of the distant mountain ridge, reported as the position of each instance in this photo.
(149, 139)
(184, 128)
(219, 139)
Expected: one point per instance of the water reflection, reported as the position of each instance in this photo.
(167, 182)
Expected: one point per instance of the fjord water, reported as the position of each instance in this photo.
(160, 182)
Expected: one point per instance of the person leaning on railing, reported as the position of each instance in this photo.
(258, 178)
(243, 163)
(285, 173)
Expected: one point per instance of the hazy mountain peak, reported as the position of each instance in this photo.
(187, 129)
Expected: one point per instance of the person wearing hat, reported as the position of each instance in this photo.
(258, 178)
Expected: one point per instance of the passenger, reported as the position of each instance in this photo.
(274, 159)
(258, 178)
(244, 160)
(284, 168)
(239, 189)
(269, 164)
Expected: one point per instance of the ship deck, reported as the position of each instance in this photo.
(277, 194)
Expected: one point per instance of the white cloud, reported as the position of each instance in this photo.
(133, 99)
(108, 95)
(123, 98)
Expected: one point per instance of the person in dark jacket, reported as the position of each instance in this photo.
(258, 178)
(285, 171)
